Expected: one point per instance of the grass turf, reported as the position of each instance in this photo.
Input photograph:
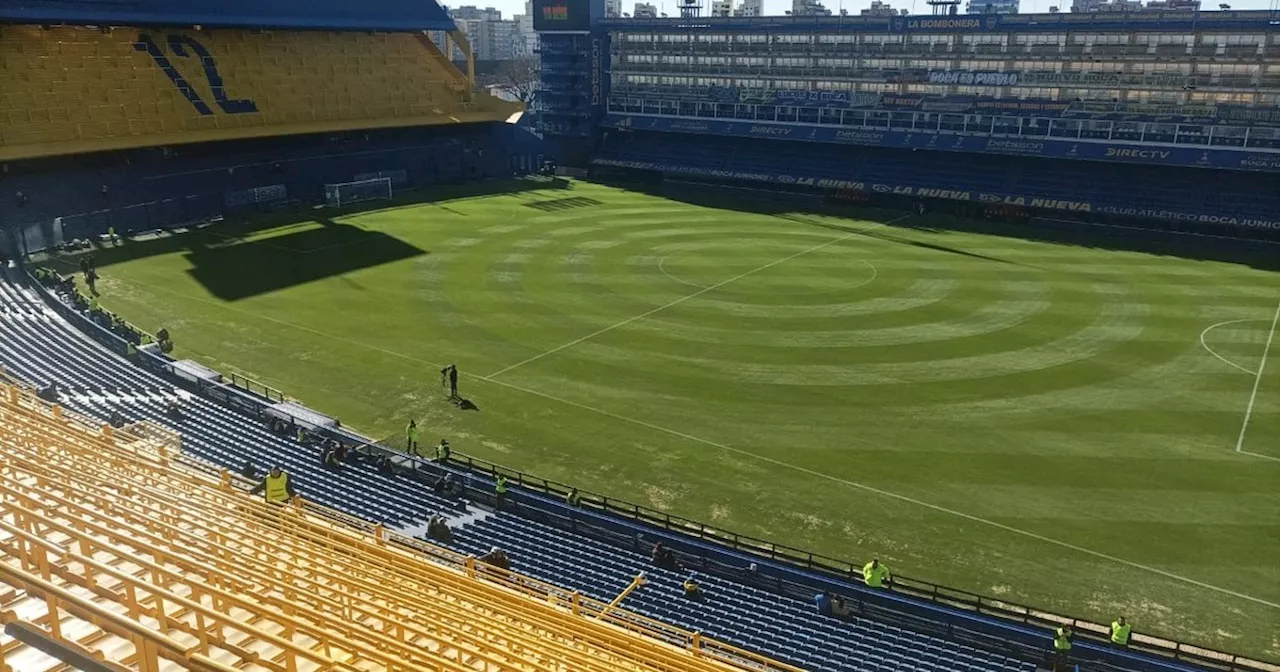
(1031, 419)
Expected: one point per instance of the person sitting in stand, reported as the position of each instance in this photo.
(339, 450)
(663, 557)
(497, 558)
(445, 485)
(439, 530)
(692, 590)
(174, 410)
(116, 420)
(329, 457)
(249, 471)
(839, 608)
(385, 465)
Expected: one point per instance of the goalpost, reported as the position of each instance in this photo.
(343, 193)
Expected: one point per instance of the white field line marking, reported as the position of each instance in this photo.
(1257, 380)
(779, 463)
(679, 280)
(891, 495)
(1224, 360)
(679, 301)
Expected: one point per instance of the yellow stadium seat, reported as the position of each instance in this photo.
(291, 82)
(115, 545)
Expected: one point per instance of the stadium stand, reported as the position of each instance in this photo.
(74, 90)
(120, 548)
(1106, 117)
(1139, 188)
(885, 632)
(163, 188)
(112, 120)
(144, 116)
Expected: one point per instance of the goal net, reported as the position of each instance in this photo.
(343, 193)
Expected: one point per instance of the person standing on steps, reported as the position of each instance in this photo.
(1120, 630)
(876, 575)
(1062, 648)
(500, 491)
(277, 487)
(411, 437)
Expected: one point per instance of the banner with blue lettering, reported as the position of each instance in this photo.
(1168, 155)
(931, 191)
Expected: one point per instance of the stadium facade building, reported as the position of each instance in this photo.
(1166, 116)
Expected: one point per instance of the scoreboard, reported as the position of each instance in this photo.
(562, 15)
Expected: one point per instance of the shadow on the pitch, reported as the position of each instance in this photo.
(1257, 253)
(244, 269)
(265, 252)
(139, 241)
(888, 237)
(573, 203)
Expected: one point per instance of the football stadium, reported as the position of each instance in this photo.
(840, 343)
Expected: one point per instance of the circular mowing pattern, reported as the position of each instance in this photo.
(873, 272)
(915, 316)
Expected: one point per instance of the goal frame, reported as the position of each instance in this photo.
(333, 192)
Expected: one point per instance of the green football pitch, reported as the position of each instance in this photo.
(1080, 422)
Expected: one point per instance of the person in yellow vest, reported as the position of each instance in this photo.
(442, 451)
(500, 489)
(1120, 632)
(876, 575)
(411, 437)
(692, 590)
(277, 487)
(1061, 646)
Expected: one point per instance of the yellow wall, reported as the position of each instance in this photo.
(74, 90)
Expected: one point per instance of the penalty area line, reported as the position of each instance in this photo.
(1257, 381)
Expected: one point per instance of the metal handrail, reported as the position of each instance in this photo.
(254, 387)
(844, 570)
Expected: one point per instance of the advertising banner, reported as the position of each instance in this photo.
(933, 191)
(1168, 155)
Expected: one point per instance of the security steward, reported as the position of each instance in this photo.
(1120, 632)
(876, 575)
(1061, 645)
(500, 489)
(277, 487)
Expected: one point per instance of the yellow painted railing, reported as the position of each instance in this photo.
(320, 589)
(150, 647)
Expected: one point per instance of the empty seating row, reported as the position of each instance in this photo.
(236, 582)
